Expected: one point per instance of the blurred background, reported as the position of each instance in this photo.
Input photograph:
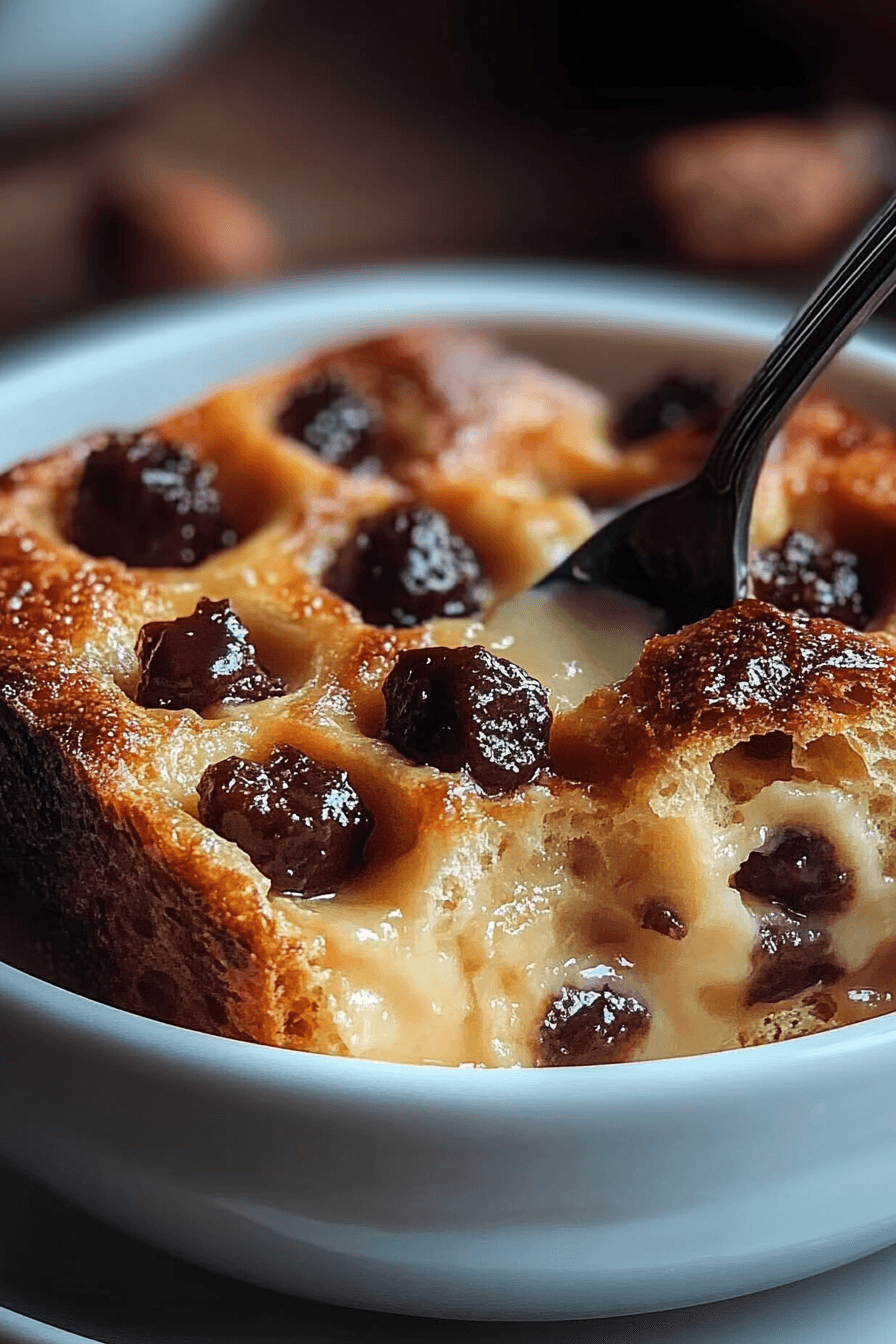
(154, 146)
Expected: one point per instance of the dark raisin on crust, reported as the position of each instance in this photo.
(598, 1025)
(661, 918)
(148, 501)
(406, 566)
(336, 423)
(822, 1006)
(796, 868)
(670, 403)
(792, 953)
(200, 660)
(465, 709)
(803, 574)
(301, 823)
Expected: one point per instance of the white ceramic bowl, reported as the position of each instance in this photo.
(506, 1194)
(59, 56)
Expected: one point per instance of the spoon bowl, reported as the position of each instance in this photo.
(684, 552)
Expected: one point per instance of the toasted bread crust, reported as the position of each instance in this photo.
(745, 672)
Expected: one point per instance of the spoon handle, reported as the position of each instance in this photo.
(862, 279)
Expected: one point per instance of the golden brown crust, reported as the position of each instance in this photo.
(745, 672)
(835, 475)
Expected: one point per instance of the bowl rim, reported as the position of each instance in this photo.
(365, 300)
(360, 300)
(166, 1049)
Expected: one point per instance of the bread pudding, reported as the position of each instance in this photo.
(273, 767)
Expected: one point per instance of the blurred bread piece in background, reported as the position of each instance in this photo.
(769, 191)
(118, 219)
(42, 206)
(159, 225)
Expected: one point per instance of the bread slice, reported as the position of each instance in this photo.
(588, 895)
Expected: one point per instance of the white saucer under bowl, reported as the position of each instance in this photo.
(67, 1279)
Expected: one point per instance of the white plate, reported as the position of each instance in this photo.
(58, 1265)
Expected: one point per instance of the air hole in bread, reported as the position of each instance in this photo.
(752, 765)
(831, 760)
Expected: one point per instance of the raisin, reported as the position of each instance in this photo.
(465, 709)
(599, 1025)
(337, 424)
(406, 566)
(147, 501)
(669, 404)
(200, 660)
(660, 918)
(802, 574)
(822, 1006)
(792, 954)
(796, 868)
(300, 822)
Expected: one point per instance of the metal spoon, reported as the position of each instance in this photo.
(685, 551)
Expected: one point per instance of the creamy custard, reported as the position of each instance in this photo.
(573, 641)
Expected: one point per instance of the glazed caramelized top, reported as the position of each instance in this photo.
(759, 667)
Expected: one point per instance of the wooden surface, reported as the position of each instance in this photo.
(353, 133)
